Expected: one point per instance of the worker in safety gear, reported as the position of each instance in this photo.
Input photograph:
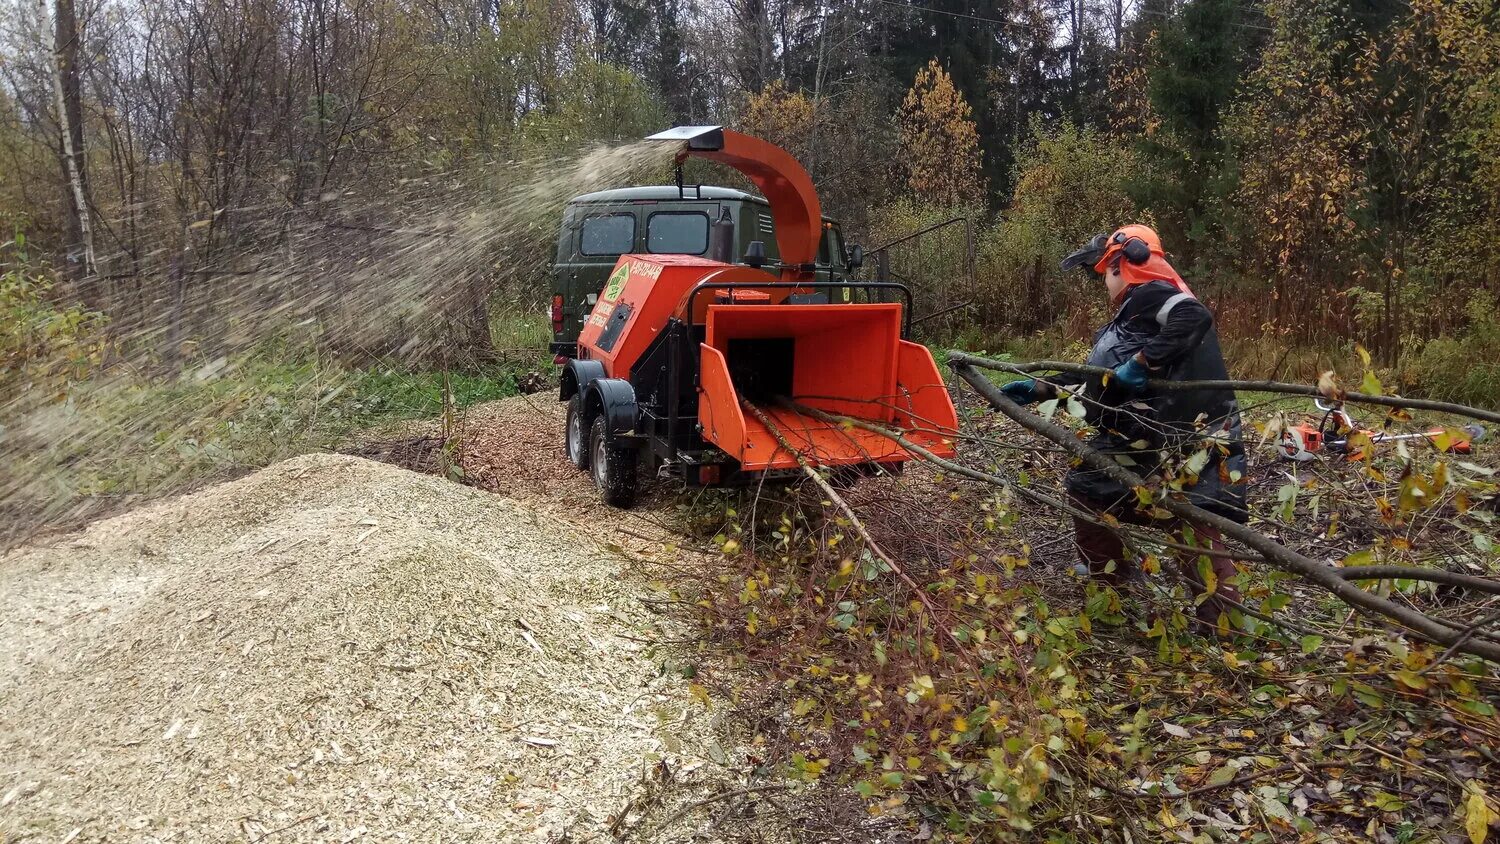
(1190, 440)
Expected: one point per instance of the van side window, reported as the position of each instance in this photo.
(609, 234)
(677, 233)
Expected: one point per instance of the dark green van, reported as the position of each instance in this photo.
(597, 228)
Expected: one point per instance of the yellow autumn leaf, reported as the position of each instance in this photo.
(1477, 814)
(1411, 680)
(1209, 577)
(1443, 441)
(1168, 819)
(698, 692)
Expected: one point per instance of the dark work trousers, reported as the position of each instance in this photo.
(1098, 545)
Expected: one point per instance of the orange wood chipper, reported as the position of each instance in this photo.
(676, 342)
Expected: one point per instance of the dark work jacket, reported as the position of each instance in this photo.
(1176, 335)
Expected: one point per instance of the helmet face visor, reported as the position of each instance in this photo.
(1089, 255)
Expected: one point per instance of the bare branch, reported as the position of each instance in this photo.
(1025, 492)
(1452, 578)
(1276, 554)
(1260, 386)
(916, 589)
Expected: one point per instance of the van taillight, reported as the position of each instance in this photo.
(557, 314)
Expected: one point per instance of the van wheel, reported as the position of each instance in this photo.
(577, 434)
(614, 468)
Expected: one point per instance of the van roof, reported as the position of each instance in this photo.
(669, 193)
(666, 192)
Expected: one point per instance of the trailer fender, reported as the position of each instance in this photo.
(577, 376)
(615, 398)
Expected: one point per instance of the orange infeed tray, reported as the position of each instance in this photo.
(820, 443)
(842, 359)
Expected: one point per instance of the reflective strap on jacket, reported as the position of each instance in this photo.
(1167, 306)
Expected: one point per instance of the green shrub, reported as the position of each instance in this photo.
(520, 331)
(595, 101)
(390, 393)
(1069, 187)
(41, 340)
(1465, 368)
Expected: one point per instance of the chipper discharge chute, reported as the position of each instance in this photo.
(677, 345)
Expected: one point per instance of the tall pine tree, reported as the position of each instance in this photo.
(1199, 55)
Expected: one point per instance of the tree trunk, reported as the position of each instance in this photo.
(177, 278)
(471, 332)
(1075, 26)
(68, 91)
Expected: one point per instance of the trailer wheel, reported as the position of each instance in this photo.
(577, 433)
(614, 468)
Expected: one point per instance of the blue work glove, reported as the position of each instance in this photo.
(1131, 375)
(1020, 392)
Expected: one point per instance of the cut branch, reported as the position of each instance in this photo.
(1275, 554)
(859, 528)
(1025, 492)
(1451, 578)
(1033, 367)
(727, 795)
(1235, 782)
(1464, 636)
(1055, 503)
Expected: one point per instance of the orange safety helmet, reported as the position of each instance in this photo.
(1136, 249)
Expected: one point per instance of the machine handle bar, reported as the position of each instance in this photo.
(692, 297)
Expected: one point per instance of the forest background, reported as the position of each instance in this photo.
(236, 230)
(370, 188)
(1324, 172)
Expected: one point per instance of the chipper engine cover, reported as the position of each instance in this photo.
(676, 343)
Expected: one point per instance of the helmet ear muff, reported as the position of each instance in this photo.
(1136, 251)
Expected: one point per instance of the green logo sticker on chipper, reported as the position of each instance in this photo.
(616, 283)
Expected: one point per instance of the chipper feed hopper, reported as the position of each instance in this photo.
(677, 345)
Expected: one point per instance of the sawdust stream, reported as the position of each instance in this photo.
(384, 276)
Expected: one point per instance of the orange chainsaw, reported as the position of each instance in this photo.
(1332, 434)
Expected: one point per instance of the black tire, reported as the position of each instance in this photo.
(613, 467)
(576, 434)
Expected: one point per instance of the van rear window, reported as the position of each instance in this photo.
(611, 234)
(677, 233)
